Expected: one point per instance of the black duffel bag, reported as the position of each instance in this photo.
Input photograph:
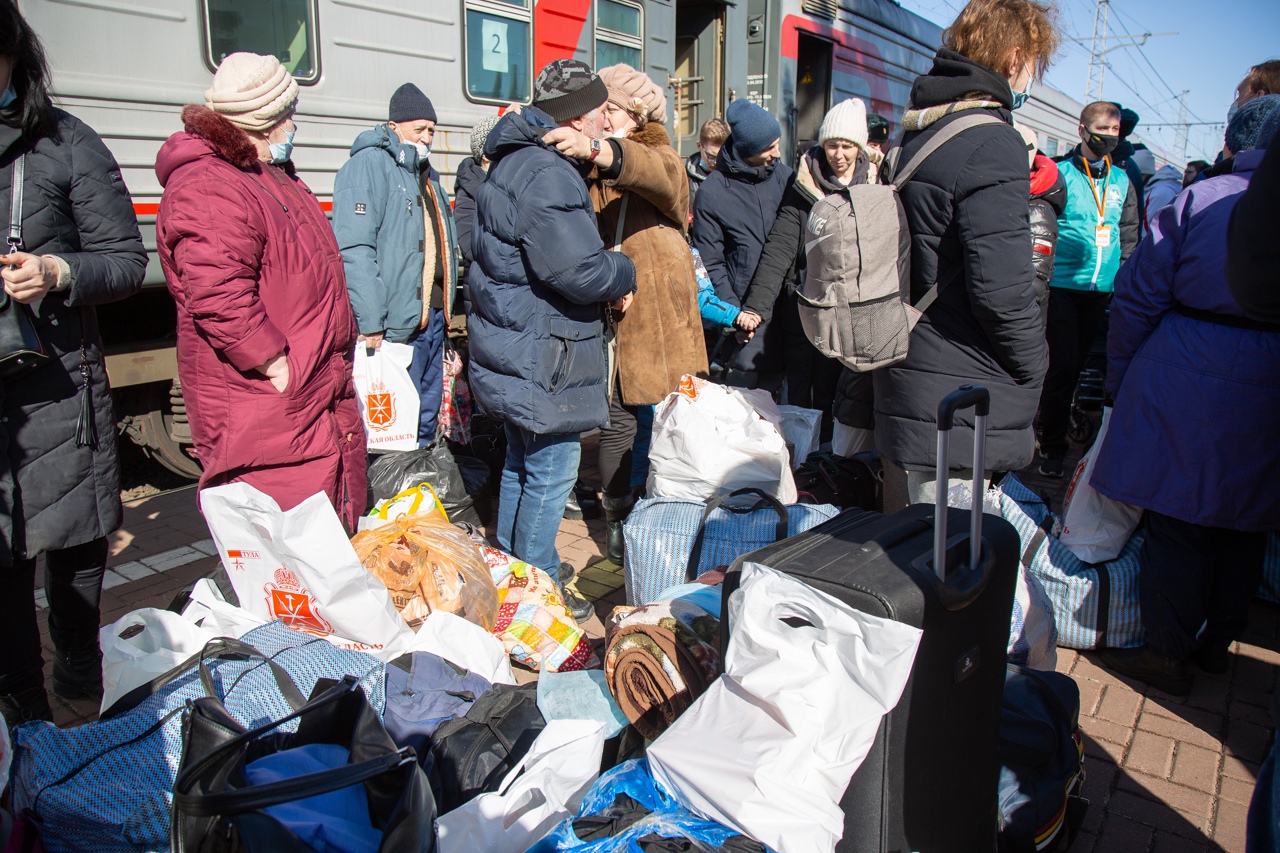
(471, 755)
(216, 809)
(464, 494)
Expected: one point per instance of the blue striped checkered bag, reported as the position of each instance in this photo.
(107, 786)
(661, 535)
(1078, 590)
(1269, 589)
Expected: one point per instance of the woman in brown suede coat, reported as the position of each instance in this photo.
(642, 206)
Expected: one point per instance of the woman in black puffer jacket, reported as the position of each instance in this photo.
(967, 209)
(59, 475)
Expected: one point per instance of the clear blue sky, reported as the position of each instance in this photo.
(1216, 43)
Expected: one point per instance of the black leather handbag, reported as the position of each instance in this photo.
(215, 810)
(21, 350)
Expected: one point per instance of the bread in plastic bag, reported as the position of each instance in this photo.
(429, 564)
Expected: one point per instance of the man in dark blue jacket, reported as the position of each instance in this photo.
(732, 217)
(540, 280)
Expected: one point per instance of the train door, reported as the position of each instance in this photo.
(699, 69)
(813, 89)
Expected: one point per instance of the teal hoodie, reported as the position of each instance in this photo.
(378, 206)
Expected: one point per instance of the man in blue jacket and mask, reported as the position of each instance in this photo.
(540, 282)
(395, 228)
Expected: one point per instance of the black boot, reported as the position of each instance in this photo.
(616, 511)
(23, 706)
(77, 673)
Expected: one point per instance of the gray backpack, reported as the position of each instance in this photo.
(855, 302)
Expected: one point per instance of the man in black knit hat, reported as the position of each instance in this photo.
(539, 281)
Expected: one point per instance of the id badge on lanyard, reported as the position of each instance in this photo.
(1103, 235)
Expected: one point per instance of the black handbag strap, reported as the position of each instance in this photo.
(221, 647)
(780, 533)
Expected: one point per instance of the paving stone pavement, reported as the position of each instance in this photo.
(1164, 775)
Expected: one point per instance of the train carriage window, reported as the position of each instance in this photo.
(285, 29)
(619, 33)
(498, 51)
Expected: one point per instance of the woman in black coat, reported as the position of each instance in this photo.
(59, 473)
(967, 209)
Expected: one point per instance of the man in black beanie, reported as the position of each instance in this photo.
(395, 228)
(539, 282)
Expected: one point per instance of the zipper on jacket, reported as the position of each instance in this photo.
(561, 363)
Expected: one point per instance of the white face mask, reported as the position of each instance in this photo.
(424, 149)
(619, 134)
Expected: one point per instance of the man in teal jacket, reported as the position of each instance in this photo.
(1096, 233)
(395, 229)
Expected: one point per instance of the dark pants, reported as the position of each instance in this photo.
(811, 376)
(1191, 575)
(427, 372)
(1075, 316)
(617, 441)
(73, 588)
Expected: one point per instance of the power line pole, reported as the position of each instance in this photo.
(1180, 140)
(1098, 52)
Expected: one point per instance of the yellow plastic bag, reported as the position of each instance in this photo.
(429, 564)
(419, 500)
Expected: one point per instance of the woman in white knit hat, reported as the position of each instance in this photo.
(642, 206)
(265, 328)
(838, 161)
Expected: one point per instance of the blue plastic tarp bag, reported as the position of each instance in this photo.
(626, 805)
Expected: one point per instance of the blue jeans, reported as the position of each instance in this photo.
(536, 481)
(427, 372)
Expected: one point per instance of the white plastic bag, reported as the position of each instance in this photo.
(299, 566)
(803, 428)
(770, 747)
(209, 609)
(133, 658)
(1094, 527)
(389, 399)
(709, 440)
(464, 643)
(546, 787)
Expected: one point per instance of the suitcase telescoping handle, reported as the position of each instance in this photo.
(980, 399)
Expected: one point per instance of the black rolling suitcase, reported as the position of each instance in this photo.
(930, 781)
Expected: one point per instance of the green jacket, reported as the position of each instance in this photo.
(1084, 262)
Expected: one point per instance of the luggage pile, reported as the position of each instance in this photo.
(773, 684)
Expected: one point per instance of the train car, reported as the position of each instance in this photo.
(127, 67)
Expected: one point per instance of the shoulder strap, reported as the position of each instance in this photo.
(622, 221)
(939, 139)
(15, 203)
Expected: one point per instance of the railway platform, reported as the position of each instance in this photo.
(1164, 775)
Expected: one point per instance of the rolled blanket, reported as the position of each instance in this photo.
(660, 657)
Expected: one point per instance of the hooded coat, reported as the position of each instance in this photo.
(395, 230)
(1162, 189)
(1192, 435)
(255, 269)
(466, 183)
(967, 208)
(1048, 200)
(538, 281)
(75, 205)
(660, 336)
(697, 174)
(736, 209)
(1254, 255)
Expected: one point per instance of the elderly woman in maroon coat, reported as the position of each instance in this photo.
(265, 329)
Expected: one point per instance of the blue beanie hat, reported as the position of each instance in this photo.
(1269, 130)
(1243, 131)
(752, 129)
(409, 104)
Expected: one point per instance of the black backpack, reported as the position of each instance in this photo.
(1042, 762)
(471, 755)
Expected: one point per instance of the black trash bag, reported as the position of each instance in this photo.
(488, 444)
(392, 473)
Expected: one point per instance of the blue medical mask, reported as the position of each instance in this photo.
(8, 97)
(1020, 98)
(282, 151)
(1231, 111)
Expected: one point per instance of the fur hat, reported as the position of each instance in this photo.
(568, 88)
(252, 92)
(409, 104)
(634, 92)
(846, 120)
(480, 134)
(752, 128)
